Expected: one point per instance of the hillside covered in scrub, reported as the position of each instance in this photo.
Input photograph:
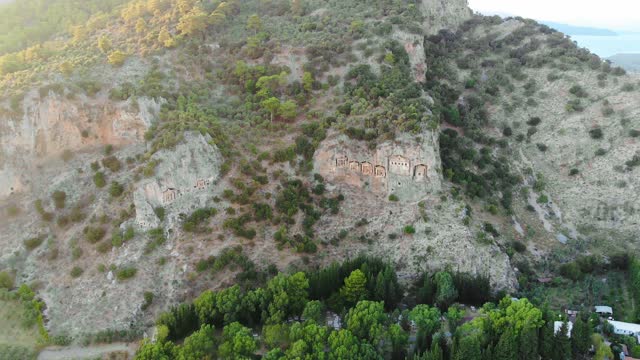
(155, 150)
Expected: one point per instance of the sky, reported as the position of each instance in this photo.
(621, 15)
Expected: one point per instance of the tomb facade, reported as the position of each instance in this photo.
(200, 184)
(420, 172)
(367, 168)
(380, 171)
(169, 195)
(399, 165)
(341, 161)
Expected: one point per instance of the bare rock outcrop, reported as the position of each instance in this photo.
(51, 125)
(408, 167)
(181, 178)
(444, 14)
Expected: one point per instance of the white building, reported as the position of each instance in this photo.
(604, 310)
(623, 328)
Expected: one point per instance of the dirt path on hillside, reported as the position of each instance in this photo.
(90, 352)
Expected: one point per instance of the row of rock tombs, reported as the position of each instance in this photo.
(397, 165)
(170, 193)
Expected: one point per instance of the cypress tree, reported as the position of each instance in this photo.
(581, 338)
(468, 348)
(545, 344)
(507, 347)
(562, 344)
(528, 345)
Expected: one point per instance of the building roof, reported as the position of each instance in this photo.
(557, 325)
(604, 309)
(619, 325)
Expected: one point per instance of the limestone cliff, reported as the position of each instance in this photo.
(181, 176)
(52, 125)
(408, 167)
(444, 14)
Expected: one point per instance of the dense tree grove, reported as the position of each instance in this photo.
(337, 313)
(634, 274)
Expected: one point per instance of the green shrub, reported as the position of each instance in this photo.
(6, 280)
(156, 238)
(607, 111)
(601, 152)
(112, 163)
(94, 234)
(578, 91)
(573, 172)
(596, 133)
(534, 121)
(542, 147)
(571, 271)
(59, 198)
(628, 87)
(393, 197)
(126, 273)
(76, 253)
(519, 246)
(148, 300)
(159, 211)
(34, 242)
(574, 105)
(104, 247)
(115, 189)
(76, 271)
(409, 230)
(99, 179)
(634, 133)
(196, 222)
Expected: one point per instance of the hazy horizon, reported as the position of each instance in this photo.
(618, 15)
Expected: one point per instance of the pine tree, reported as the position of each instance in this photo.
(468, 348)
(435, 353)
(354, 288)
(528, 345)
(580, 338)
(506, 348)
(545, 344)
(562, 344)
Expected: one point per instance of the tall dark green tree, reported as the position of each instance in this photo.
(427, 290)
(507, 347)
(528, 344)
(581, 338)
(562, 344)
(468, 348)
(545, 338)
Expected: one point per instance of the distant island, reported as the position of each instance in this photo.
(579, 30)
(630, 62)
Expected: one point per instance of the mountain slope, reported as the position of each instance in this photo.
(169, 147)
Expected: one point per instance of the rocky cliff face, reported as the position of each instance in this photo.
(53, 125)
(444, 14)
(408, 167)
(181, 178)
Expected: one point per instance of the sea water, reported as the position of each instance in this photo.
(606, 46)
